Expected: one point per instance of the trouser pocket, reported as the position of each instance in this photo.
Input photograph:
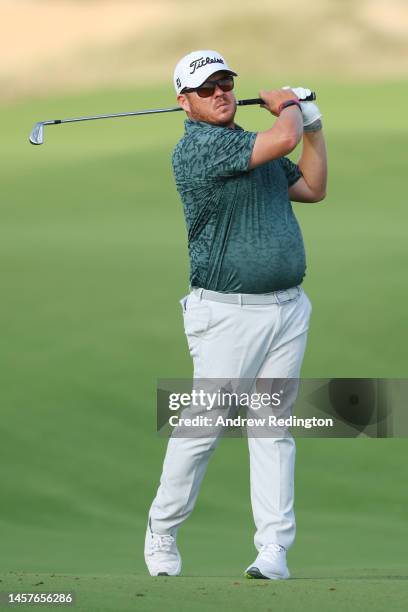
(196, 315)
(183, 303)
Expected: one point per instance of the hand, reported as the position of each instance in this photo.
(273, 99)
(310, 110)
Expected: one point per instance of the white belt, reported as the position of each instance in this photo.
(248, 299)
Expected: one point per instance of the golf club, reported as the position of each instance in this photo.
(37, 133)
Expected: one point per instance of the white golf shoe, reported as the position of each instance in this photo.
(270, 563)
(161, 554)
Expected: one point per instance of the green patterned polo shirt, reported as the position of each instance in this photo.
(243, 236)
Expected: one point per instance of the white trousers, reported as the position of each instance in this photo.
(240, 342)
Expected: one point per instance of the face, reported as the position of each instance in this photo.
(218, 109)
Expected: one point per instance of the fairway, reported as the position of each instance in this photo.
(361, 591)
(93, 261)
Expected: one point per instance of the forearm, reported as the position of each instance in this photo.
(289, 123)
(313, 162)
(280, 139)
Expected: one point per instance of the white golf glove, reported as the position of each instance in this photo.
(310, 110)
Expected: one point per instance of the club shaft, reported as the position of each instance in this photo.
(113, 115)
(171, 109)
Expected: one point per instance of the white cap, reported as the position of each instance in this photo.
(195, 68)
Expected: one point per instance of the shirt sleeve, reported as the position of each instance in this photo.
(292, 171)
(223, 152)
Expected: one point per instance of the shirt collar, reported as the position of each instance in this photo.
(191, 126)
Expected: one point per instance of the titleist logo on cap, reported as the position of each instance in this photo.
(193, 69)
(203, 61)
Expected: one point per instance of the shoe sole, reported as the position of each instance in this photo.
(254, 573)
(176, 573)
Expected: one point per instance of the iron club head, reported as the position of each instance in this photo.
(37, 134)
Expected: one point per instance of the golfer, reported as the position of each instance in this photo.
(247, 315)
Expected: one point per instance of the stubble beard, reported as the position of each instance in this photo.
(209, 117)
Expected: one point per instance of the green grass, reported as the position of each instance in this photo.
(355, 590)
(93, 262)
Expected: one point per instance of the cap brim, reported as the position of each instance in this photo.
(201, 80)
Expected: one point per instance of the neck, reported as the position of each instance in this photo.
(228, 125)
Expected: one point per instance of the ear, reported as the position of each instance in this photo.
(184, 102)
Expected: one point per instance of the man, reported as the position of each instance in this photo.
(246, 316)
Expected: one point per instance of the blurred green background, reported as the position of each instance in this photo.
(93, 263)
